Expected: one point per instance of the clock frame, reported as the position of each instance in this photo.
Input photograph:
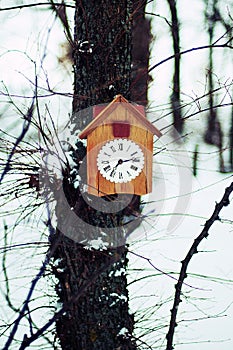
(119, 120)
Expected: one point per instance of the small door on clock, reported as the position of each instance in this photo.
(121, 129)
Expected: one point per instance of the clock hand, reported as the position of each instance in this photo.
(120, 161)
(127, 160)
(113, 172)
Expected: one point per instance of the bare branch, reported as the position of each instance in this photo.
(198, 112)
(198, 48)
(4, 268)
(26, 125)
(193, 250)
(19, 7)
(60, 11)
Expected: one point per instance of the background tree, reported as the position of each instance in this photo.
(175, 96)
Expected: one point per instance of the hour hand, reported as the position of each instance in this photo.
(120, 161)
(113, 172)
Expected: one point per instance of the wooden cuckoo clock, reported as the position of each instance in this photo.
(119, 149)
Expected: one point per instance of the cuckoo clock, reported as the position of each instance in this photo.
(119, 149)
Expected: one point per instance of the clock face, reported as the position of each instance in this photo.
(120, 160)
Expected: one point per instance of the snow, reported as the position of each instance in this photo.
(59, 306)
(123, 331)
(96, 244)
(117, 298)
(85, 46)
(118, 273)
(77, 181)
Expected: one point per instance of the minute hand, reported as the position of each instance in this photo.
(127, 160)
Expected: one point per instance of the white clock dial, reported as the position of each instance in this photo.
(120, 160)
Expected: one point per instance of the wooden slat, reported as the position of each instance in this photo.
(105, 187)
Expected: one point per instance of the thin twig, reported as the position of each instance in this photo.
(161, 271)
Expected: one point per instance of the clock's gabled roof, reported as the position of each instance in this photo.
(104, 114)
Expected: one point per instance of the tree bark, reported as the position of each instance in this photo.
(213, 131)
(231, 142)
(141, 38)
(103, 56)
(175, 97)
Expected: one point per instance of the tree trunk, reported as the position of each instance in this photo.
(101, 320)
(231, 142)
(175, 97)
(213, 131)
(141, 37)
